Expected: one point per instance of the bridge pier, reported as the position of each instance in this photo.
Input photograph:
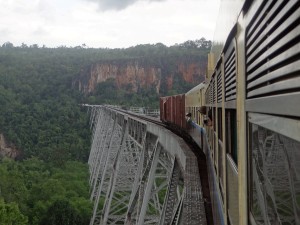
(141, 173)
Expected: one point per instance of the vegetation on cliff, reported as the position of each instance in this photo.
(168, 60)
(40, 114)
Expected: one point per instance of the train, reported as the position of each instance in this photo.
(245, 116)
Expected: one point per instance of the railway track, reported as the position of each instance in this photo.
(198, 153)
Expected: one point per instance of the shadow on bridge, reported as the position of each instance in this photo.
(141, 173)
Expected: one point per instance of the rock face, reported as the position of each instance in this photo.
(7, 149)
(190, 71)
(133, 75)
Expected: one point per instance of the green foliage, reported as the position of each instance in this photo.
(159, 56)
(37, 188)
(179, 86)
(40, 113)
(61, 212)
(10, 214)
(39, 110)
(107, 93)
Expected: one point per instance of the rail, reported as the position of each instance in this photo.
(141, 173)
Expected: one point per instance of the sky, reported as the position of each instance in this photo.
(106, 23)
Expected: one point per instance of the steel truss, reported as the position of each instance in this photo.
(140, 173)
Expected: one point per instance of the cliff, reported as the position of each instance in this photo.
(133, 75)
(130, 75)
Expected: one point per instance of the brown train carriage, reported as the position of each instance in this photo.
(162, 102)
(180, 111)
(166, 109)
(172, 110)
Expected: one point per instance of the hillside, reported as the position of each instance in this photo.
(40, 89)
(139, 75)
(136, 74)
(44, 128)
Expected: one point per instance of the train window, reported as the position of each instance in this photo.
(199, 116)
(197, 120)
(231, 135)
(275, 171)
(214, 118)
(220, 124)
(220, 151)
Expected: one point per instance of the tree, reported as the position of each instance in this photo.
(61, 212)
(7, 45)
(24, 45)
(40, 114)
(10, 214)
(34, 46)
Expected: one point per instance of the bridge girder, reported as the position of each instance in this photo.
(141, 173)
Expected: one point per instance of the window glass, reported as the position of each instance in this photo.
(231, 138)
(275, 177)
(220, 124)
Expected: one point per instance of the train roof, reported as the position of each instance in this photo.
(228, 14)
(198, 87)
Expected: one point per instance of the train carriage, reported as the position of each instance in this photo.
(172, 110)
(252, 94)
(194, 99)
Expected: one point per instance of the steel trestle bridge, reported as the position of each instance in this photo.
(141, 173)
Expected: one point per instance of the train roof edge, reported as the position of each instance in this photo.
(229, 12)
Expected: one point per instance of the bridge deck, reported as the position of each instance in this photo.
(141, 173)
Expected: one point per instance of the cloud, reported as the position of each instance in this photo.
(120, 24)
(40, 31)
(118, 4)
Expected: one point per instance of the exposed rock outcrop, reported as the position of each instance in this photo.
(190, 71)
(133, 75)
(7, 149)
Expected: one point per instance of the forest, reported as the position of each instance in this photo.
(41, 115)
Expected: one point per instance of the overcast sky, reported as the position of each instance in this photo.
(106, 23)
